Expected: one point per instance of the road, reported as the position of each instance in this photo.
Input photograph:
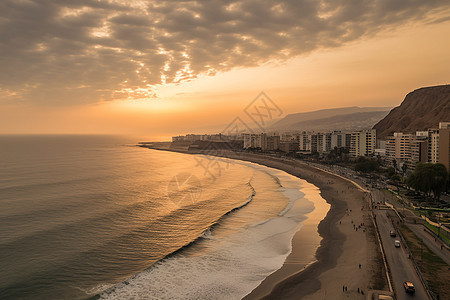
(401, 267)
(418, 229)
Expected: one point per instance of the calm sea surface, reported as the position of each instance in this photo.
(84, 216)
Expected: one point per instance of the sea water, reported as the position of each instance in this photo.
(84, 216)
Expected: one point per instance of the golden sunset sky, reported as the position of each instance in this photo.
(161, 68)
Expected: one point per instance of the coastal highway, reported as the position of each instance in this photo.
(401, 267)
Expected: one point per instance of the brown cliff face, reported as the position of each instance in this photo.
(421, 109)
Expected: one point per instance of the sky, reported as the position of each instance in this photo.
(162, 68)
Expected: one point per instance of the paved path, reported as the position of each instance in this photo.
(430, 241)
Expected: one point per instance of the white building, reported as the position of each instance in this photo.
(398, 147)
(261, 140)
(340, 140)
(304, 141)
(252, 140)
(363, 143)
(433, 145)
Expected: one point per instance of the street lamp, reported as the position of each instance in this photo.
(439, 227)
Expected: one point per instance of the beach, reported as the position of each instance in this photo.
(347, 262)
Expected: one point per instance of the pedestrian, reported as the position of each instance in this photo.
(343, 288)
(358, 290)
(360, 266)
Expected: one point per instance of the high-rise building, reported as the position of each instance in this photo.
(270, 142)
(340, 140)
(444, 144)
(433, 145)
(418, 150)
(252, 140)
(261, 140)
(326, 143)
(398, 147)
(363, 143)
(304, 139)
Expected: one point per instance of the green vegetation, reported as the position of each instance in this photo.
(434, 269)
(367, 165)
(337, 155)
(437, 232)
(429, 179)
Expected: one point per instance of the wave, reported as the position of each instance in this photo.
(205, 235)
(249, 254)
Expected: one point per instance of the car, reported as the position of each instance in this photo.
(409, 287)
(397, 243)
(392, 233)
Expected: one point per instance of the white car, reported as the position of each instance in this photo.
(397, 243)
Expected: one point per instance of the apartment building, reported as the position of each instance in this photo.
(444, 144)
(252, 140)
(304, 141)
(398, 147)
(270, 142)
(261, 140)
(340, 140)
(433, 145)
(363, 143)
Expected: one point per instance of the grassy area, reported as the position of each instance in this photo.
(434, 269)
(418, 213)
(436, 230)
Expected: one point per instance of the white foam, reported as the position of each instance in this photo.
(234, 264)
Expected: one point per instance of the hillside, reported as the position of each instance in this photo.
(421, 109)
(346, 118)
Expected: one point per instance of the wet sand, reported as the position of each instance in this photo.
(347, 263)
(346, 243)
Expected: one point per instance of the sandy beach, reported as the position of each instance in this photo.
(347, 262)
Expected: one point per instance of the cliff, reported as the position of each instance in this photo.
(421, 109)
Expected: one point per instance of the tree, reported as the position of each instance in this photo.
(366, 165)
(429, 179)
(390, 172)
(394, 162)
(404, 169)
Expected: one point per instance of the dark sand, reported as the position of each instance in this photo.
(342, 248)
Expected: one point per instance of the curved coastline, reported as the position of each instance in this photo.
(336, 257)
(334, 254)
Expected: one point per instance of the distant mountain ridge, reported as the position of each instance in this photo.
(345, 118)
(421, 109)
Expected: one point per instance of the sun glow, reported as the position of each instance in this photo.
(157, 105)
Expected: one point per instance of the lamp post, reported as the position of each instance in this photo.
(439, 227)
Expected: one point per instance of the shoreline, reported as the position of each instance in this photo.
(345, 257)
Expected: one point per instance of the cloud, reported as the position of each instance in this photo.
(86, 51)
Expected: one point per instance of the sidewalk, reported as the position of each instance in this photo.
(430, 241)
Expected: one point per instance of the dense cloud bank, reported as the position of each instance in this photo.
(86, 50)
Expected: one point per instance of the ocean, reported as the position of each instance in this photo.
(96, 216)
